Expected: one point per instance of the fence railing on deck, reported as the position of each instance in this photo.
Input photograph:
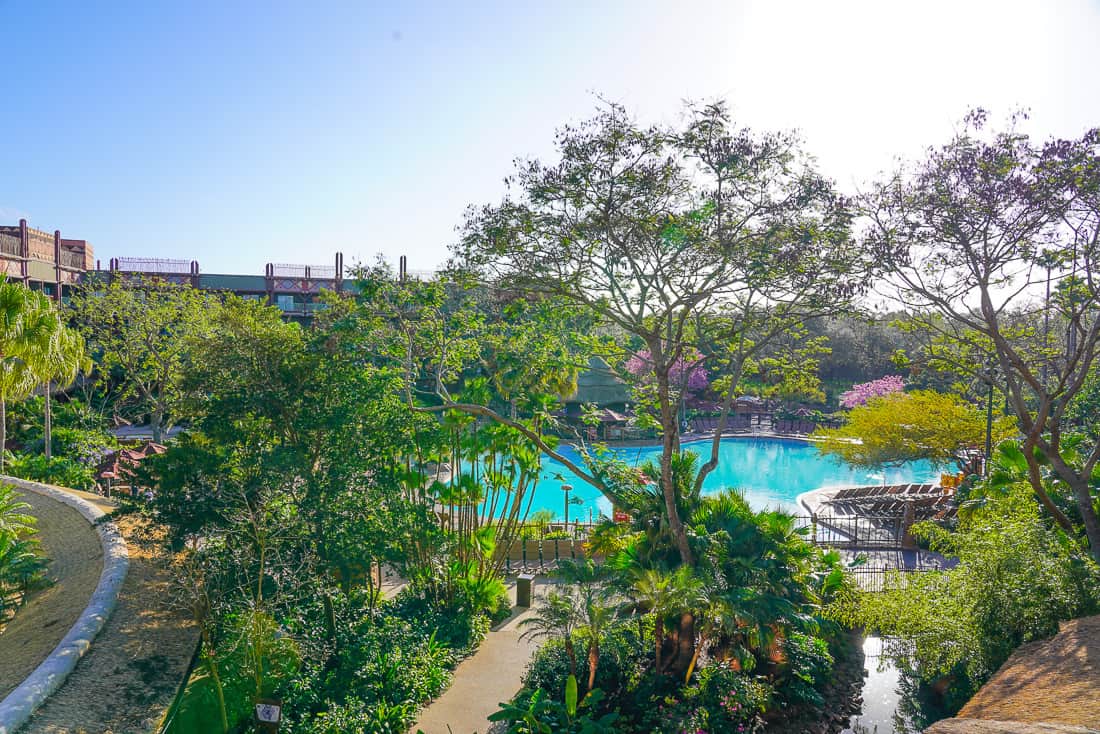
(853, 531)
(882, 578)
(542, 555)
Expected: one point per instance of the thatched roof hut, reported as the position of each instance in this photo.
(599, 385)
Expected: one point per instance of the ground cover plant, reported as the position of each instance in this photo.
(21, 566)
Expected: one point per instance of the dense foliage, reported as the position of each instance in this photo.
(905, 426)
(721, 644)
(1017, 577)
(403, 431)
(20, 565)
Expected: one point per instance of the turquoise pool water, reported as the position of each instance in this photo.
(771, 472)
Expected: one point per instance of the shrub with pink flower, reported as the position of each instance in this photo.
(865, 391)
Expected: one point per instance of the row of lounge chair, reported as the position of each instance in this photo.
(733, 424)
(926, 502)
(892, 492)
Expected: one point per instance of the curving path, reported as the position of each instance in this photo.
(128, 678)
(76, 562)
(484, 680)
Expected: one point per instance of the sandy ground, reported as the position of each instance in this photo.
(128, 678)
(76, 561)
(1054, 681)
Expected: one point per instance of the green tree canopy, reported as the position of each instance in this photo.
(705, 238)
(907, 426)
(993, 243)
(141, 334)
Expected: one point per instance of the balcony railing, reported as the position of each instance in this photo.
(302, 308)
(286, 270)
(154, 265)
(72, 259)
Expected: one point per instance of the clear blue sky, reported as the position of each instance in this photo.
(244, 133)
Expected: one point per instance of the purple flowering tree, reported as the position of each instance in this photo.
(863, 392)
(687, 371)
(971, 237)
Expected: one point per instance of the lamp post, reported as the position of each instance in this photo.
(567, 488)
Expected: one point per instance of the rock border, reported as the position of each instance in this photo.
(19, 705)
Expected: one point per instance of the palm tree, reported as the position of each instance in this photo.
(63, 362)
(26, 333)
(14, 520)
(591, 595)
(559, 617)
(663, 594)
(596, 615)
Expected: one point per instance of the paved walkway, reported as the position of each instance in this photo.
(76, 562)
(484, 680)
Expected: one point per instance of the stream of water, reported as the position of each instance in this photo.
(881, 694)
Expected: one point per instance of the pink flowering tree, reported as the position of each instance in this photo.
(863, 392)
(688, 368)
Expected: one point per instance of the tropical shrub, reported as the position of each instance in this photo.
(622, 658)
(381, 666)
(722, 699)
(808, 666)
(540, 713)
(57, 470)
(20, 565)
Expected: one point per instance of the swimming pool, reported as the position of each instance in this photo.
(771, 472)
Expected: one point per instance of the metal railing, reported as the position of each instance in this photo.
(301, 307)
(287, 270)
(153, 265)
(853, 531)
(883, 578)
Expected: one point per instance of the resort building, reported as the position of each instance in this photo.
(43, 261)
(293, 289)
(53, 264)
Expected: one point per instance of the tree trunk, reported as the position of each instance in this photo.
(572, 655)
(3, 431)
(685, 643)
(1035, 477)
(156, 424)
(1088, 515)
(670, 444)
(593, 659)
(47, 424)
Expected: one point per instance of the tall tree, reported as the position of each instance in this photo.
(141, 333)
(63, 361)
(28, 330)
(704, 238)
(967, 234)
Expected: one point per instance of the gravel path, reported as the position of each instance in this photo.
(76, 562)
(128, 678)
